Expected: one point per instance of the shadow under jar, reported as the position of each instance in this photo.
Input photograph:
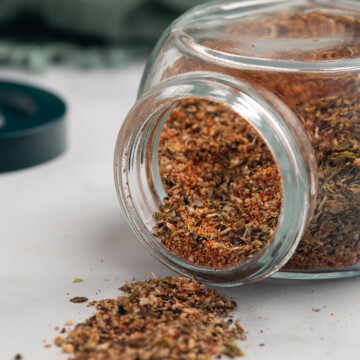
(291, 72)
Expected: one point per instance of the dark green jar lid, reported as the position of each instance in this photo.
(32, 126)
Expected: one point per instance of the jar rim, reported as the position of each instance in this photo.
(139, 202)
(190, 45)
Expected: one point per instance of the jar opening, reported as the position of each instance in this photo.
(221, 188)
(141, 181)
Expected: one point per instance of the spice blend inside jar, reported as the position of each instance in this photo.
(327, 105)
(333, 125)
(223, 186)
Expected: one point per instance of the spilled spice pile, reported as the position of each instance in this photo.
(173, 318)
(223, 186)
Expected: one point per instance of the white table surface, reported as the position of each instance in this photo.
(61, 221)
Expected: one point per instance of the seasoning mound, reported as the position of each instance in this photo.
(170, 318)
(223, 187)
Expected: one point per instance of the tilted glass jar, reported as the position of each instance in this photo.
(292, 71)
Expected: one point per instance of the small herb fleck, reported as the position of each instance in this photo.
(79, 299)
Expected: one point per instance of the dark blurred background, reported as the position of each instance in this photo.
(82, 33)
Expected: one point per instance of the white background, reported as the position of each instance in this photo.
(61, 220)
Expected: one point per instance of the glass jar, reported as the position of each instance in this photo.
(292, 71)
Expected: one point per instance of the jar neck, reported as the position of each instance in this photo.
(139, 185)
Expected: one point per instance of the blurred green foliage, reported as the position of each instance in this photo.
(86, 33)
